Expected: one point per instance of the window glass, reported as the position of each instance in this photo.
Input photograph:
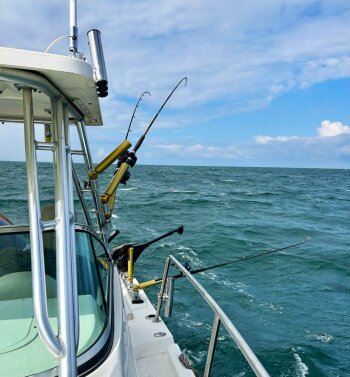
(22, 352)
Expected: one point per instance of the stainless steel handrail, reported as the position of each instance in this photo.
(36, 240)
(220, 317)
(64, 243)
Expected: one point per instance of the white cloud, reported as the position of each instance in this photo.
(330, 129)
(317, 151)
(267, 139)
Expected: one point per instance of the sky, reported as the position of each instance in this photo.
(268, 81)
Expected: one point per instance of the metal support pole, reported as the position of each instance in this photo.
(81, 197)
(170, 297)
(212, 344)
(66, 305)
(94, 184)
(162, 289)
(73, 26)
(69, 172)
(36, 239)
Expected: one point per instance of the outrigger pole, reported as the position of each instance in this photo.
(150, 283)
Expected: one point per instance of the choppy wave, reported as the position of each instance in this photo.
(229, 213)
(301, 368)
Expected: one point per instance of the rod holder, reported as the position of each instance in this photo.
(98, 62)
(114, 183)
(130, 265)
(108, 161)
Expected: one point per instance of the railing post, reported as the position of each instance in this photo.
(162, 289)
(170, 285)
(212, 344)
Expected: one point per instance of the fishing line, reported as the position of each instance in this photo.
(243, 259)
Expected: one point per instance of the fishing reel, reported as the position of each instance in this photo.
(130, 158)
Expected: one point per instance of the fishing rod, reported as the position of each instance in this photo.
(142, 138)
(128, 159)
(133, 114)
(242, 259)
(120, 253)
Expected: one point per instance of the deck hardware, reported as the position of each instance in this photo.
(159, 334)
(45, 146)
(150, 316)
(112, 235)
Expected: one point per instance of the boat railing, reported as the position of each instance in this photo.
(219, 318)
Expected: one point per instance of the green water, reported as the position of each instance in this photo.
(293, 307)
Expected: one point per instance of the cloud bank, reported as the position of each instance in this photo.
(325, 150)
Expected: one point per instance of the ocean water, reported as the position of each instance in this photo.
(293, 307)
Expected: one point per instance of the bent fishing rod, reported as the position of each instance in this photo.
(133, 114)
(128, 159)
(238, 260)
(142, 138)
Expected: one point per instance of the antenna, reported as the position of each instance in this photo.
(73, 48)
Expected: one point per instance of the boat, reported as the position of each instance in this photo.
(70, 304)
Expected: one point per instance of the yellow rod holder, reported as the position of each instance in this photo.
(131, 265)
(111, 202)
(146, 284)
(48, 133)
(114, 183)
(108, 161)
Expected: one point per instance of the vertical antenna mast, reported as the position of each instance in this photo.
(73, 26)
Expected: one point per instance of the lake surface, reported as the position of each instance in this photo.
(293, 307)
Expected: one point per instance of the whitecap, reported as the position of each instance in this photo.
(320, 336)
(302, 369)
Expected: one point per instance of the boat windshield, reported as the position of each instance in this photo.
(22, 352)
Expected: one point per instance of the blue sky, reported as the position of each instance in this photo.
(268, 81)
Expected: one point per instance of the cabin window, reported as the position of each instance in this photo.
(22, 352)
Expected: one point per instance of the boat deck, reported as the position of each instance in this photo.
(155, 351)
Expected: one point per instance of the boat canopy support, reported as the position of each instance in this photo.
(64, 345)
